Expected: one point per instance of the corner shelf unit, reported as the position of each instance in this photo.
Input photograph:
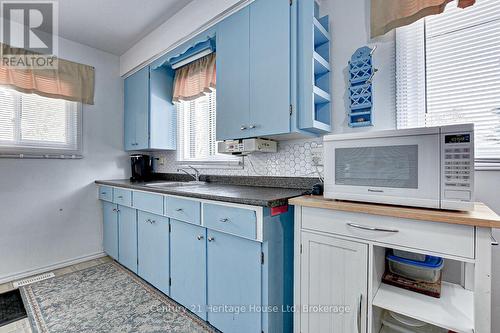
(314, 69)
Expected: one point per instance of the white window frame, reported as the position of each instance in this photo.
(412, 40)
(55, 152)
(226, 161)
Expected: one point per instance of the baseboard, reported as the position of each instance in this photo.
(45, 269)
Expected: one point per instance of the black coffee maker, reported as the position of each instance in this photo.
(142, 167)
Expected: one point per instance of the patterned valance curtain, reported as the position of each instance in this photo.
(390, 14)
(69, 80)
(195, 79)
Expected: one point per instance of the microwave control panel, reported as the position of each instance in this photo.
(458, 163)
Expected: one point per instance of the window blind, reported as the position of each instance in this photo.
(34, 124)
(196, 128)
(448, 72)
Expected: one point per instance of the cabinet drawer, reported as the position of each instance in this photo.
(443, 238)
(148, 202)
(122, 197)
(233, 220)
(106, 193)
(183, 209)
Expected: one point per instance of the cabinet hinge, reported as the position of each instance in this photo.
(262, 258)
(291, 109)
(169, 281)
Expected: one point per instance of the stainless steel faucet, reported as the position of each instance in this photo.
(196, 175)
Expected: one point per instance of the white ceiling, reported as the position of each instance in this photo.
(113, 25)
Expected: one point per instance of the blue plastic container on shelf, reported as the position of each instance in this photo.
(426, 271)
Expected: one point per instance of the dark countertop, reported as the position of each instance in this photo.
(242, 194)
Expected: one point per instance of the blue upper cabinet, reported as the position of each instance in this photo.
(150, 121)
(253, 71)
(233, 76)
(273, 71)
(269, 67)
(136, 92)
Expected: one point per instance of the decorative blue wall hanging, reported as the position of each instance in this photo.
(361, 73)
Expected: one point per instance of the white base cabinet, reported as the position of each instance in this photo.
(340, 261)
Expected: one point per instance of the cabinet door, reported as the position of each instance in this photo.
(110, 229)
(269, 67)
(136, 91)
(153, 249)
(163, 118)
(233, 76)
(234, 278)
(188, 266)
(333, 273)
(127, 237)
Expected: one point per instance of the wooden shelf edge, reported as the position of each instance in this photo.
(481, 216)
(442, 312)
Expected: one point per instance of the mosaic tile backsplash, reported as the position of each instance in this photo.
(293, 159)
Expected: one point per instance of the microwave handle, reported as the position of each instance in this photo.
(364, 227)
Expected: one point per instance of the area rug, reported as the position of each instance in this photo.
(11, 307)
(105, 298)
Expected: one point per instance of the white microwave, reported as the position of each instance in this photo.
(422, 167)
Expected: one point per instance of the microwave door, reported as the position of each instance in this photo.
(397, 170)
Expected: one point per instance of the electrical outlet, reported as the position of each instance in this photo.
(317, 156)
(161, 160)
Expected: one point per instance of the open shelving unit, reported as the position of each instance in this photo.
(441, 312)
(453, 311)
(314, 69)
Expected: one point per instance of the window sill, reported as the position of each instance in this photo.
(235, 165)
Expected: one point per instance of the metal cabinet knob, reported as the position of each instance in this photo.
(103, 193)
(224, 220)
(115, 210)
(199, 237)
(179, 210)
(153, 221)
(120, 197)
(211, 239)
(252, 126)
(243, 127)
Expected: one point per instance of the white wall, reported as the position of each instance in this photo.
(49, 211)
(187, 21)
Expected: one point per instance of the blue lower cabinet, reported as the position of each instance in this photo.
(110, 229)
(153, 250)
(234, 279)
(127, 237)
(188, 266)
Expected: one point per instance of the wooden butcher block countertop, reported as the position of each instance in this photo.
(481, 216)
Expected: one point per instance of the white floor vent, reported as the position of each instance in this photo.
(33, 279)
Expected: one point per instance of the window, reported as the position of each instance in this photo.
(448, 72)
(196, 131)
(31, 123)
